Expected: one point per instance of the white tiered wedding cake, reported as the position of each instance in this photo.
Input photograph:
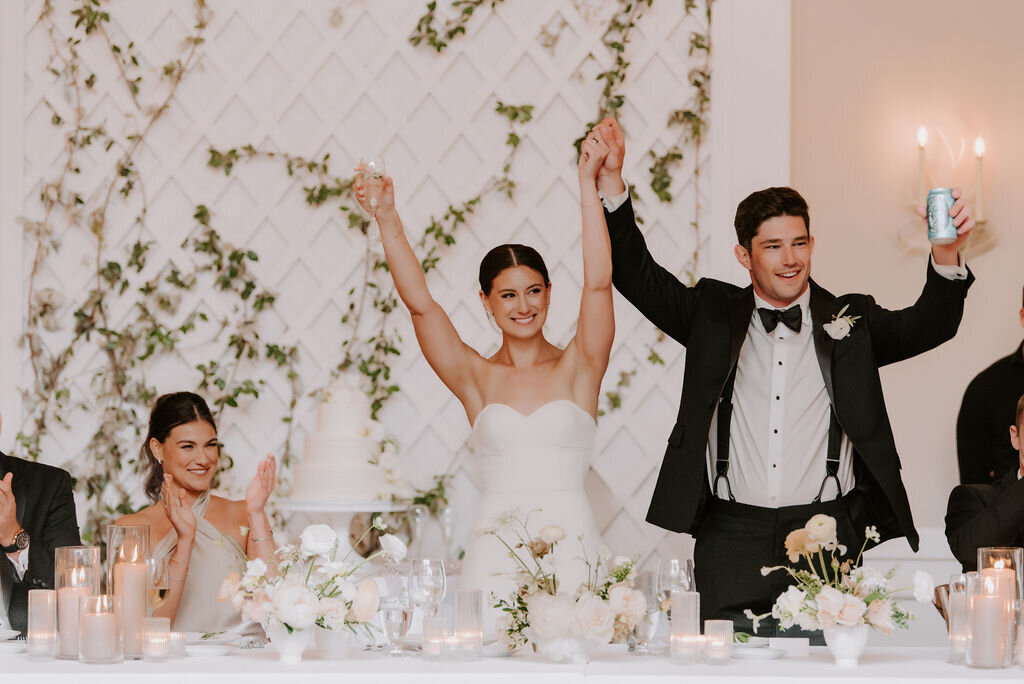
(341, 458)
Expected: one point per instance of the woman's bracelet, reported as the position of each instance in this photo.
(256, 540)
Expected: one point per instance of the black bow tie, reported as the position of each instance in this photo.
(791, 318)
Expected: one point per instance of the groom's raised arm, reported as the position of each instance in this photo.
(655, 292)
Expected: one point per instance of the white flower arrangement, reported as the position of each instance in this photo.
(310, 585)
(603, 609)
(834, 592)
(841, 325)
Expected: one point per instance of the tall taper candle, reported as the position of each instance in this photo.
(979, 152)
(130, 587)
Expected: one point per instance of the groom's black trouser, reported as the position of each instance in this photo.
(736, 540)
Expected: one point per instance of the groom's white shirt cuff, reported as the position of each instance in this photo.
(613, 203)
(958, 272)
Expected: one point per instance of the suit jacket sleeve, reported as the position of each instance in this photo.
(927, 323)
(978, 515)
(59, 528)
(655, 292)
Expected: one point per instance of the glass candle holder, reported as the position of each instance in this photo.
(990, 621)
(435, 634)
(469, 619)
(717, 641)
(76, 575)
(156, 644)
(685, 640)
(128, 579)
(42, 623)
(956, 612)
(176, 641)
(99, 630)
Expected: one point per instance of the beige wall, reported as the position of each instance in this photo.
(865, 75)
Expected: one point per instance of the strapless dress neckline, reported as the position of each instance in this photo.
(535, 411)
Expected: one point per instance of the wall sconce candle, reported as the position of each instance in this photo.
(979, 152)
(922, 140)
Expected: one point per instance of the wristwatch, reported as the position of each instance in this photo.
(19, 542)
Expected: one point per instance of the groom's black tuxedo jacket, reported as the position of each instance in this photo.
(46, 509)
(711, 321)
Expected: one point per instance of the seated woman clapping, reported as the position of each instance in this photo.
(204, 537)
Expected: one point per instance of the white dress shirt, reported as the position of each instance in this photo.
(778, 438)
(20, 566)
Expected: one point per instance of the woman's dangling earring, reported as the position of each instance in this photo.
(495, 328)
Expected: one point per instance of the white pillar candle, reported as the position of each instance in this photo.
(67, 618)
(98, 640)
(988, 629)
(130, 585)
(42, 623)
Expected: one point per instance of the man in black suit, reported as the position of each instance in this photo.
(986, 409)
(37, 514)
(782, 414)
(980, 515)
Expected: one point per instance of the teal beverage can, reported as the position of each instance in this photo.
(941, 230)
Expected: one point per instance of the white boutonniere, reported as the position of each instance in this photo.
(841, 325)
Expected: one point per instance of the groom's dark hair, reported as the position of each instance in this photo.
(762, 205)
(507, 256)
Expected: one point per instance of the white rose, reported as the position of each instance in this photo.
(366, 602)
(294, 604)
(852, 612)
(627, 602)
(318, 540)
(593, 619)
(333, 611)
(879, 615)
(924, 587)
(255, 570)
(392, 547)
(552, 534)
(788, 606)
(821, 528)
(830, 602)
(347, 590)
(807, 622)
(549, 616)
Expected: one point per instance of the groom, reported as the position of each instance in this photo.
(782, 414)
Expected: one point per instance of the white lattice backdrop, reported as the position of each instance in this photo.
(285, 76)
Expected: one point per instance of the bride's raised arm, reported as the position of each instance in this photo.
(596, 328)
(444, 350)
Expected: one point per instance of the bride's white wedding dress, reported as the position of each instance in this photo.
(535, 464)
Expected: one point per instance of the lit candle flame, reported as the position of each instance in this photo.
(979, 147)
(999, 563)
(922, 136)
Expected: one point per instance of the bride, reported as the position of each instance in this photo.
(532, 406)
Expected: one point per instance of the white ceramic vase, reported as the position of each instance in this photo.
(289, 645)
(846, 642)
(332, 644)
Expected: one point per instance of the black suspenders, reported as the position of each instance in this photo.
(835, 439)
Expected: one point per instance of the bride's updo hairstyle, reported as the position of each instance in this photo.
(507, 256)
(170, 411)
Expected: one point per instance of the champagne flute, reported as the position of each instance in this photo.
(371, 170)
(674, 573)
(158, 584)
(647, 626)
(397, 615)
(427, 584)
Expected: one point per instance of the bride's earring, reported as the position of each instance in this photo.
(495, 328)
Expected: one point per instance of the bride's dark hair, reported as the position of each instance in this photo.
(170, 411)
(507, 256)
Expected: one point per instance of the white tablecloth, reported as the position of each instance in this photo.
(607, 666)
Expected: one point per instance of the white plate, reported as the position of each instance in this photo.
(208, 650)
(221, 638)
(495, 650)
(12, 647)
(758, 653)
(6, 634)
(753, 642)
